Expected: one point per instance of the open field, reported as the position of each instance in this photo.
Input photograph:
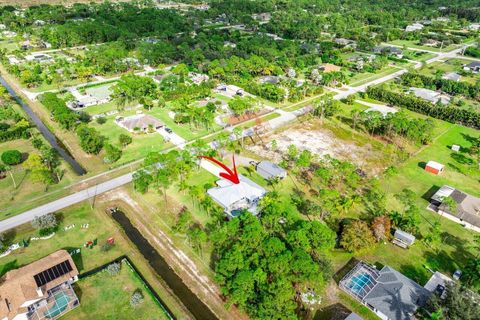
(413, 44)
(365, 77)
(104, 296)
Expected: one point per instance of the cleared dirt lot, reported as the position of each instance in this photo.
(322, 141)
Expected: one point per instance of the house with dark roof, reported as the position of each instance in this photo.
(387, 292)
(389, 50)
(473, 66)
(467, 211)
(40, 290)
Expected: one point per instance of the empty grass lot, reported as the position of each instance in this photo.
(104, 296)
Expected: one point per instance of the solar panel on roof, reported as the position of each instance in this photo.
(52, 273)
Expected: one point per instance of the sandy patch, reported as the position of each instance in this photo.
(320, 142)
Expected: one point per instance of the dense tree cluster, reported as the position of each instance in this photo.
(265, 264)
(449, 86)
(66, 117)
(466, 117)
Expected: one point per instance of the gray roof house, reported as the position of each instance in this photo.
(452, 76)
(390, 50)
(473, 66)
(269, 170)
(468, 206)
(390, 294)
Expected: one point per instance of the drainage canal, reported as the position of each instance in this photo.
(198, 309)
(49, 136)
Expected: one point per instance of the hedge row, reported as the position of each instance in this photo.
(465, 117)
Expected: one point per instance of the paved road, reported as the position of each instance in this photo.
(65, 202)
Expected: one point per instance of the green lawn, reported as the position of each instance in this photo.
(142, 143)
(452, 65)
(365, 77)
(100, 228)
(184, 130)
(418, 55)
(103, 296)
(414, 44)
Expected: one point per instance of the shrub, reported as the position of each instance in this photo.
(112, 154)
(114, 268)
(137, 298)
(101, 120)
(46, 224)
(12, 157)
(124, 139)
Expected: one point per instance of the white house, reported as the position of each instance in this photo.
(234, 198)
(414, 27)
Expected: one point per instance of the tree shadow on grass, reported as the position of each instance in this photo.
(462, 159)
(77, 258)
(430, 192)
(419, 275)
(8, 266)
(335, 311)
(422, 164)
(345, 269)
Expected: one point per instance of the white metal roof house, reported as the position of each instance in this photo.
(269, 170)
(430, 95)
(234, 198)
(387, 292)
(414, 27)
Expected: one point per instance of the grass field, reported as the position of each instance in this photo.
(104, 296)
(414, 44)
(101, 227)
(365, 77)
(451, 65)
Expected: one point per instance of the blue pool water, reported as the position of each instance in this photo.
(61, 303)
(358, 282)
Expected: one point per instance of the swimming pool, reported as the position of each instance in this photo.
(358, 282)
(61, 303)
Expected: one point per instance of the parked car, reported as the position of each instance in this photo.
(457, 274)
(168, 130)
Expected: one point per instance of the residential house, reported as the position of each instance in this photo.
(39, 57)
(414, 27)
(438, 283)
(262, 17)
(139, 123)
(9, 34)
(328, 67)
(92, 97)
(198, 78)
(389, 50)
(39, 23)
(270, 79)
(473, 67)
(269, 170)
(387, 292)
(229, 44)
(467, 210)
(39, 290)
(13, 60)
(430, 95)
(235, 198)
(474, 27)
(345, 42)
(453, 76)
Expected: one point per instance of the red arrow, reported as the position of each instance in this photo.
(230, 175)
